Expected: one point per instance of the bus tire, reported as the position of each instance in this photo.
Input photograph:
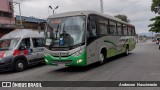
(20, 65)
(102, 57)
(127, 51)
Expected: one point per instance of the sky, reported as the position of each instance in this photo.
(138, 11)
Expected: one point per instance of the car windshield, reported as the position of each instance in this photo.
(66, 31)
(8, 44)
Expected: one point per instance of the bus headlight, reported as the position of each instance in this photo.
(79, 61)
(45, 53)
(78, 53)
(46, 60)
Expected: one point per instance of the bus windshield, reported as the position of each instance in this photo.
(8, 44)
(65, 32)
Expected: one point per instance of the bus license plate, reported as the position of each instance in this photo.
(61, 63)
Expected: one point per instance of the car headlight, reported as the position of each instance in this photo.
(78, 52)
(8, 53)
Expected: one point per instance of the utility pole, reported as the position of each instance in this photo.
(19, 12)
(101, 6)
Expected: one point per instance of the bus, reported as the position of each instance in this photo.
(80, 38)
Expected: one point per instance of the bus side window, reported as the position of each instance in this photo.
(113, 30)
(125, 30)
(129, 31)
(103, 29)
(133, 31)
(92, 29)
(119, 29)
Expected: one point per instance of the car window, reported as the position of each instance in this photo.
(38, 42)
(26, 42)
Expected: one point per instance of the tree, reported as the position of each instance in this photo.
(122, 17)
(155, 4)
(155, 27)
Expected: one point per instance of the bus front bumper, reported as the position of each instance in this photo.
(67, 61)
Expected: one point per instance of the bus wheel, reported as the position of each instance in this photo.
(127, 51)
(102, 58)
(20, 65)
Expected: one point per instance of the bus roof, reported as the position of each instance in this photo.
(22, 33)
(89, 12)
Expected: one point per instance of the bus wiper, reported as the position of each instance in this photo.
(57, 32)
(64, 27)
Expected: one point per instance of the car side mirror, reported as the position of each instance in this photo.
(22, 47)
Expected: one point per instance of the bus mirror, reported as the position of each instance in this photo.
(39, 29)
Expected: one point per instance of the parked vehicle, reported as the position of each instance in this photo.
(154, 40)
(158, 40)
(21, 48)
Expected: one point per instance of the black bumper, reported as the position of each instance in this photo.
(6, 63)
(5, 66)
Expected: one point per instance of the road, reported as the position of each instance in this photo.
(142, 64)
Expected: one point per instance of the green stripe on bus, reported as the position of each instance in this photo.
(107, 41)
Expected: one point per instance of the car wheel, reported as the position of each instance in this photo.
(20, 65)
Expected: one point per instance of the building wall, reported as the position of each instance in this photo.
(31, 25)
(7, 20)
(6, 12)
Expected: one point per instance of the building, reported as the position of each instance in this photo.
(7, 20)
(30, 22)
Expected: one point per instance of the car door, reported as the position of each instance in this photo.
(38, 47)
(27, 43)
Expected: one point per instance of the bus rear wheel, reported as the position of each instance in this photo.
(102, 58)
(127, 51)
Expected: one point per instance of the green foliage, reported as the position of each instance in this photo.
(123, 18)
(155, 27)
(155, 3)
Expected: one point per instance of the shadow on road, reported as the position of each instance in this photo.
(12, 71)
(89, 67)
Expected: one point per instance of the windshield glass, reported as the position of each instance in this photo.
(8, 44)
(65, 32)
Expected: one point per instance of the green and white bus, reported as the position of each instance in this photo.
(81, 38)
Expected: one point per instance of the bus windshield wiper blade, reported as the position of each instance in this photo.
(57, 31)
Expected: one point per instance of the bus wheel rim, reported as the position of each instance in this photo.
(127, 52)
(101, 57)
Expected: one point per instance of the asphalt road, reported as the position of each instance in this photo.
(142, 64)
